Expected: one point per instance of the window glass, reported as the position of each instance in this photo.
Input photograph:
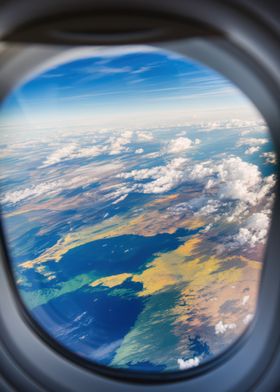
(136, 197)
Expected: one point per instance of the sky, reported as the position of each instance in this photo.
(122, 86)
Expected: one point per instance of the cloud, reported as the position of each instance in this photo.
(248, 318)
(238, 212)
(46, 188)
(211, 126)
(252, 150)
(121, 192)
(153, 155)
(233, 123)
(61, 154)
(181, 144)
(234, 179)
(221, 328)
(188, 364)
(106, 70)
(270, 157)
(228, 179)
(180, 208)
(197, 92)
(211, 207)
(72, 151)
(96, 71)
(144, 136)
(164, 178)
(89, 152)
(109, 52)
(202, 170)
(255, 230)
(106, 350)
(103, 69)
(251, 141)
(164, 183)
(121, 198)
(139, 151)
(80, 316)
(245, 299)
(118, 144)
(224, 181)
(143, 69)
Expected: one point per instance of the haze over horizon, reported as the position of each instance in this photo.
(120, 86)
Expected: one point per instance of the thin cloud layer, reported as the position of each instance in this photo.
(46, 188)
(115, 145)
(251, 141)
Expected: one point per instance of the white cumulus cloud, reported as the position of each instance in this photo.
(211, 207)
(221, 328)
(252, 150)
(255, 230)
(189, 363)
(144, 136)
(270, 157)
(234, 179)
(118, 144)
(164, 178)
(181, 144)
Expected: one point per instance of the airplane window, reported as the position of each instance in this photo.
(136, 193)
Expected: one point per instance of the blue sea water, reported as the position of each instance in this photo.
(116, 255)
(90, 322)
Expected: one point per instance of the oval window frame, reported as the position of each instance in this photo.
(222, 54)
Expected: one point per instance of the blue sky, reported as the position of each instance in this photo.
(125, 84)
